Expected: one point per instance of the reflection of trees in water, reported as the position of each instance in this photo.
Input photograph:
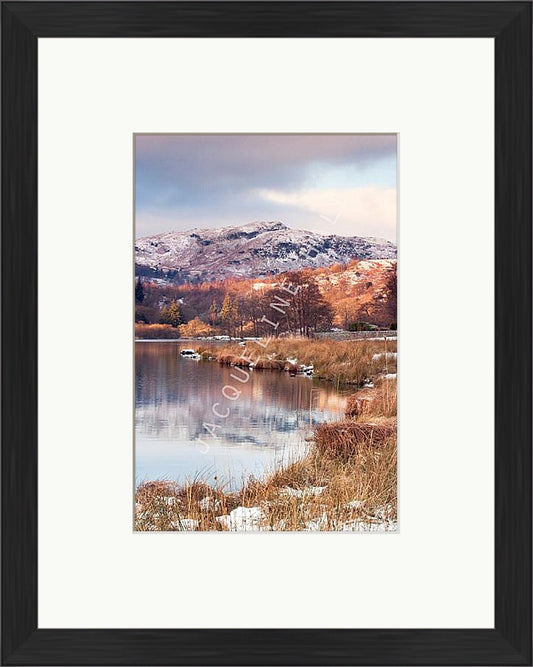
(174, 398)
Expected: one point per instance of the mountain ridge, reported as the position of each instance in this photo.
(255, 249)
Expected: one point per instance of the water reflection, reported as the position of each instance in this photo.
(176, 401)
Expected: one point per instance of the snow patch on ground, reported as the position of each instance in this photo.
(381, 338)
(303, 493)
(242, 518)
(358, 526)
(355, 504)
(364, 527)
(185, 524)
(384, 355)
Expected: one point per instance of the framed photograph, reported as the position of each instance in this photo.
(266, 333)
(286, 420)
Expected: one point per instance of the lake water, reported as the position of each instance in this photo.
(265, 427)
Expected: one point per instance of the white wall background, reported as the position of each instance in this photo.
(93, 570)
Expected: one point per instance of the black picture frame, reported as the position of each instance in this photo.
(509, 642)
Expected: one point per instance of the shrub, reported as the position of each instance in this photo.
(140, 317)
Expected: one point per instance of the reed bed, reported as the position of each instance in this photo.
(379, 401)
(348, 362)
(346, 438)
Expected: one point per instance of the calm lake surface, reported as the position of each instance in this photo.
(266, 425)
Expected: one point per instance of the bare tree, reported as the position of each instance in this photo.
(297, 306)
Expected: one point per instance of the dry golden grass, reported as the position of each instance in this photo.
(162, 331)
(320, 492)
(163, 505)
(346, 362)
(345, 438)
(373, 402)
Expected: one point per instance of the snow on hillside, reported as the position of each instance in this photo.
(253, 250)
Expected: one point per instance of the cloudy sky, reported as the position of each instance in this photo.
(335, 184)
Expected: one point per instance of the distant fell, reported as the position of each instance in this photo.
(254, 250)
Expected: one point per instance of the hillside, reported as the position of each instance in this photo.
(255, 250)
(357, 291)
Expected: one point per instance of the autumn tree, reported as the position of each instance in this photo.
(225, 311)
(391, 288)
(195, 328)
(230, 315)
(237, 317)
(213, 313)
(171, 314)
(253, 309)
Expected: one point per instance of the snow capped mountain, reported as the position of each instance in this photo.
(253, 250)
